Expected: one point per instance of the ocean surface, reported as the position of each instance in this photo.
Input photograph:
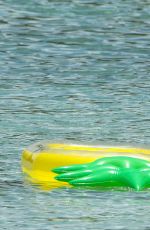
(75, 70)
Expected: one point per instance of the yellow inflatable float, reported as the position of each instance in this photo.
(49, 165)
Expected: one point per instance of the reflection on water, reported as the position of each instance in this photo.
(78, 71)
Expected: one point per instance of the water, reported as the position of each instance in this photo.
(72, 70)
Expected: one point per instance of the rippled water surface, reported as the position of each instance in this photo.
(72, 70)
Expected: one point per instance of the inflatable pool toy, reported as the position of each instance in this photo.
(116, 171)
(53, 165)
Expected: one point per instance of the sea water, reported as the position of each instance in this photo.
(78, 71)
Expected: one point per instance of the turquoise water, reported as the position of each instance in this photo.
(77, 71)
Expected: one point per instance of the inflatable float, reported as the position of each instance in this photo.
(53, 165)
